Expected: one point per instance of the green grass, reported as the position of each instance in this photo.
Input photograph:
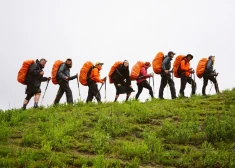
(195, 132)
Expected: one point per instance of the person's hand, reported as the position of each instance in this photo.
(49, 78)
(130, 86)
(119, 84)
(191, 70)
(102, 82)
(66, 78)
(167, 71)
(105, 78)
(41, 73)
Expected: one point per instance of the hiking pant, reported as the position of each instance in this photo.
(210, 77)
(184, 80)
(64, 87)
(141, 85)
(93, 91)
(166, 78)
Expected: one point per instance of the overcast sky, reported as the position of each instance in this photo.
(110, 31)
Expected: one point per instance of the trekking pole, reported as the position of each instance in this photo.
(45, 91)
(79, 90)
(105, 90)
(153, 85)
(99, 90)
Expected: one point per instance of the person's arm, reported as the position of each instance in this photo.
(73, 77)
(61, 70)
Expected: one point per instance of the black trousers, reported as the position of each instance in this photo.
(210, 77)
(141, 85)
(64, 87)
(93, 91)
(184, 80)
(166, 78)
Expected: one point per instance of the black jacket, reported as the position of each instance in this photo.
(63, 72)
(121, 75)
(33, 77)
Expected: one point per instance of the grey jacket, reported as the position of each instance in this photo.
(166, 63)
(209, 67)
(63, 72)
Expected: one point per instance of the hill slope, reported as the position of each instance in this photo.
(195, 132)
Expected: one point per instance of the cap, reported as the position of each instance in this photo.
(171, 52)
(147, 64)
(189, 55)
(210, 56)
(99, 63)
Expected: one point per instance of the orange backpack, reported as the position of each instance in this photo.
(176, 65)
(85, 72)
(157, 63)
(201, 66)
(22, 73)
(113, 68)
(54, 71)
(135, 71)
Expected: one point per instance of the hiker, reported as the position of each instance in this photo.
(92, 80)
(63, 77)
(166, 76)
(33, 81)
(185, 73)
(210, 74)
(122, 81)
(142, 82)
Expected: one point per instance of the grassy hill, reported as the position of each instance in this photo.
(195, 132)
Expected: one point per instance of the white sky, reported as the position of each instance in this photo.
(109, 31)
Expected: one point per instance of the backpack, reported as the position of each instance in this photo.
(113, 68)
(201, 67)
(135, 71)
(54, 71)
(85, 72)
(176, 65)
(157, 63)
(22, 73)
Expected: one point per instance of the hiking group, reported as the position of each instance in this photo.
(31, 74)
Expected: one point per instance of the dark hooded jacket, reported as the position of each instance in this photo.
(33, 77)
(121, 75)
(209, 67)
(63, 72)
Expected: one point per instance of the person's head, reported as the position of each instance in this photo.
(212, 58)
(69, 63)
(125, 63)
(43, 62)
(171, 54)
(189, 57)
(147, 65)
(99, 65)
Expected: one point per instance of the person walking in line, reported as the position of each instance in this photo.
(92, 81)
(166, 76)
(142, 82)
(63, 77)
(210, 74)
(185, 72)
(33, 81)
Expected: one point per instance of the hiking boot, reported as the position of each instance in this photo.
(23, 108)
(162, 98)
(174, 97)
